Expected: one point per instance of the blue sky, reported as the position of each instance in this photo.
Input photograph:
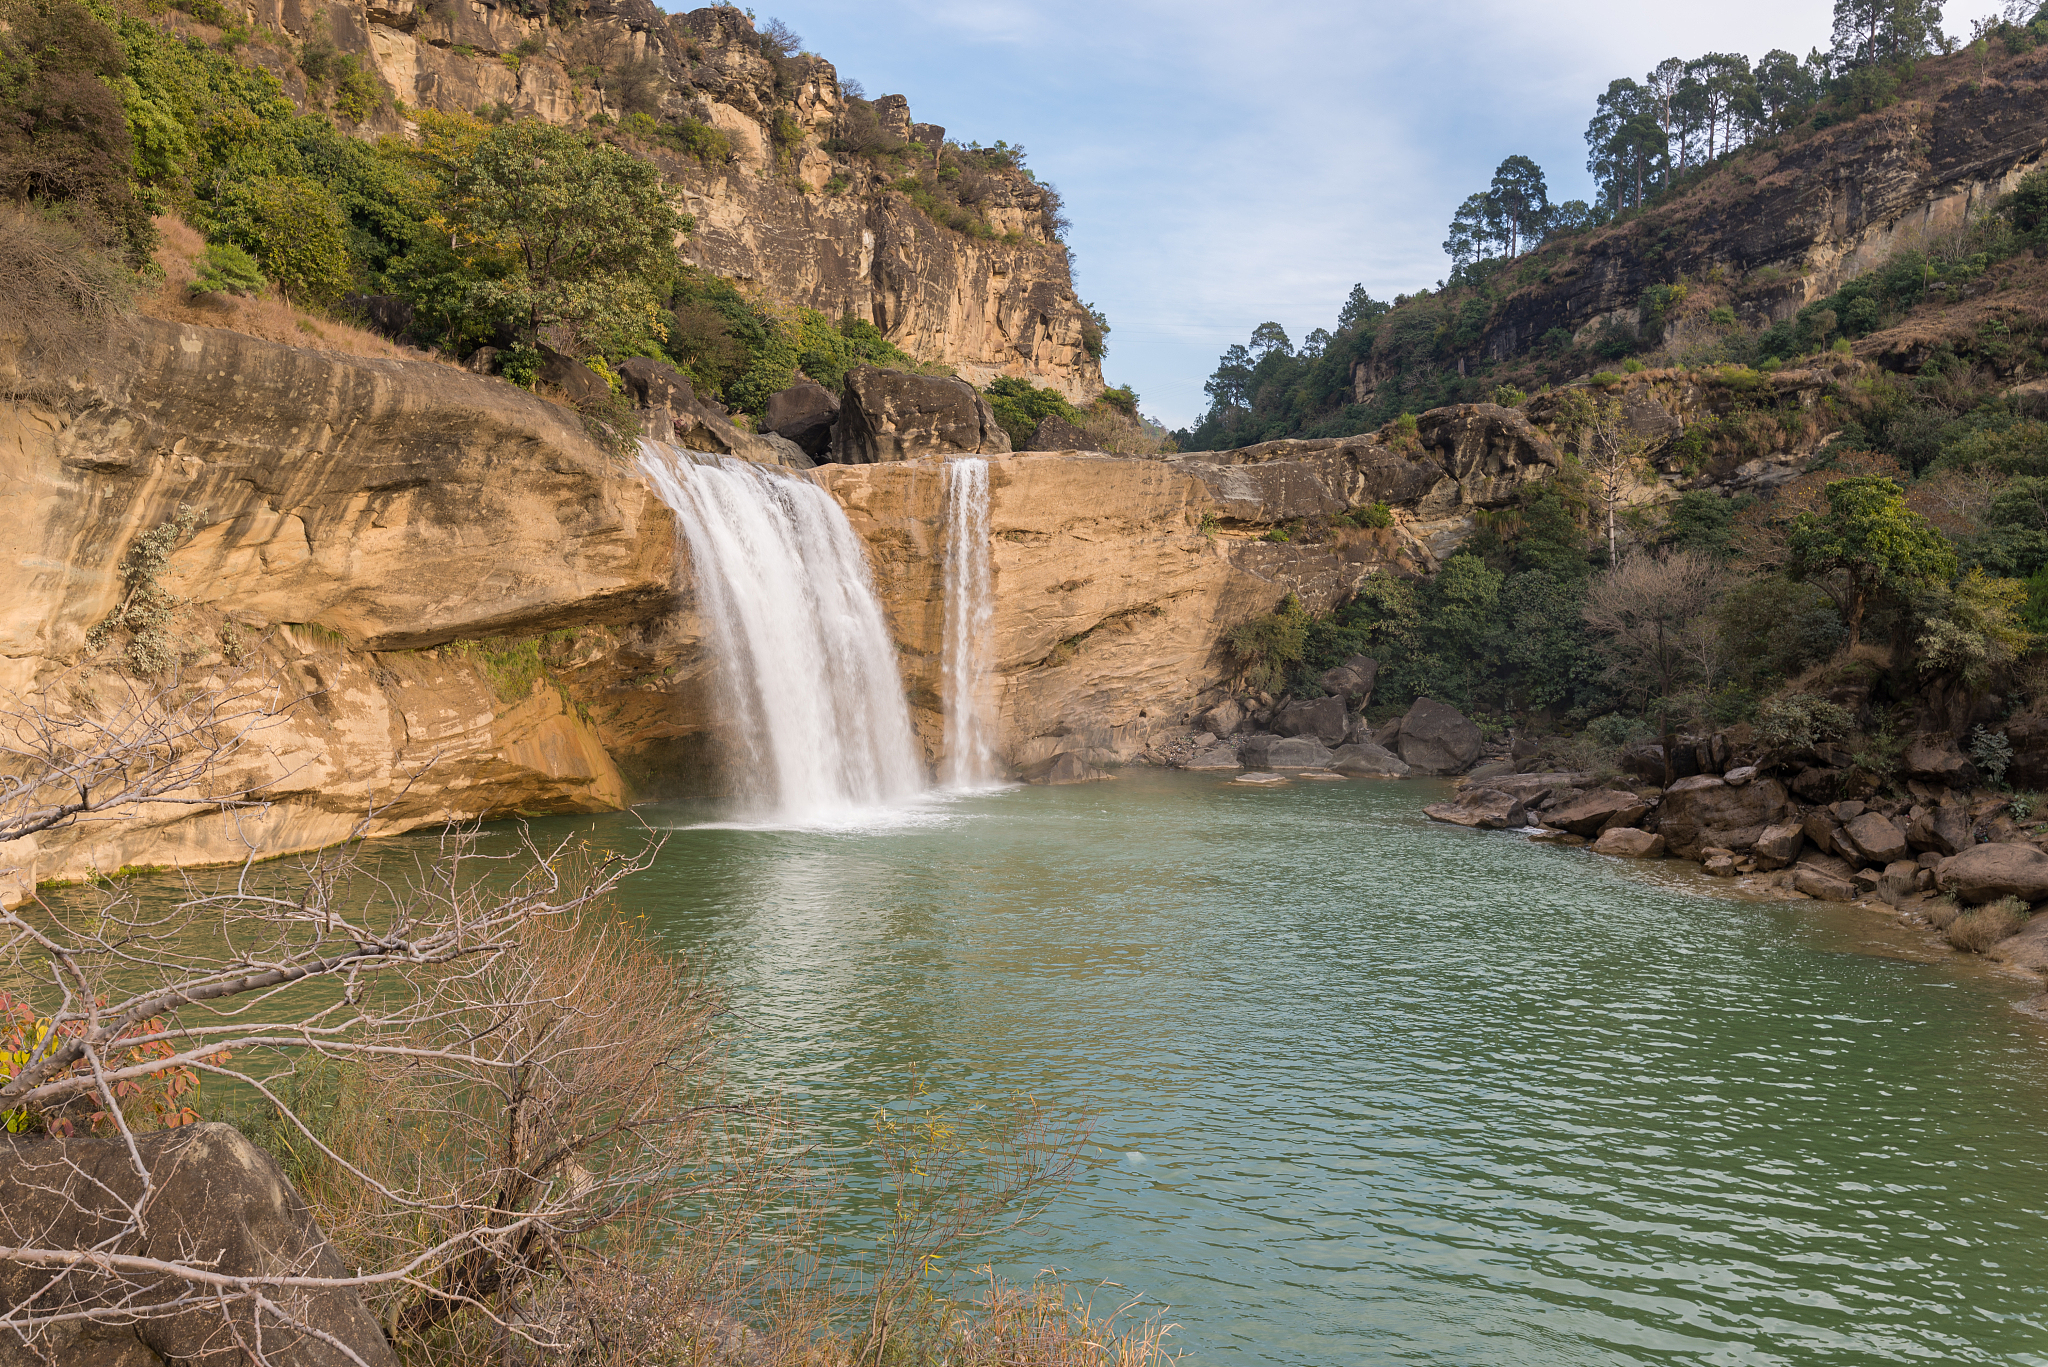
(1226, 164)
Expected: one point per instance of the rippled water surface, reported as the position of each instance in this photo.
(1373, 1090)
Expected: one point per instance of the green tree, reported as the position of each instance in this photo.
(585, 235)
(294, 228)
(1521, 203)
(1867, 542)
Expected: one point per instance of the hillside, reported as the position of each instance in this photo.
(1713, 269)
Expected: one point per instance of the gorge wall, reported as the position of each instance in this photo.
(779, 212)
(474, 610)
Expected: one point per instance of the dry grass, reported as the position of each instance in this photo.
(1943, 911)
(1979, 928)
(267, 315)
(60, 286)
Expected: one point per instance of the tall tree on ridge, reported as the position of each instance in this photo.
(1521, 202)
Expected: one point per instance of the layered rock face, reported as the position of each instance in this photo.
(352, 516)
(781, 214)
(475, 610)
(1819, 211)
(1116, 580)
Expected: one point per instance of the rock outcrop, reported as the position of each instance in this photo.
(356, 518)
(775, 207)
(895, 415)
(213, 1195)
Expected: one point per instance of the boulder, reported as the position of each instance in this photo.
(578, 382)
(1591, 813)
(1492, 769)
(1827, 864)
(1740, 775)
(1369, 760)
(1626, 842)
(1437, 739)
(1985, 873)
(2029, 737)
(1720, 863)
(895, 415)
(803, 414)
(1055, 433)
(1934, 758)
(1779, 845)
(483, 361)
(1814, 883)
(1644, 760)
(1900, 880)
(1223, 719)
(1212, 759)
(1490, 450)
(1065, 767)
(1322, 718)
(671, 411)
(213, 1194)
(1298, 752)
(1822, 829)
(1486, 808)
(1875, 839)
(2027, 949)
(1944, 829)
(1703, 811)
(1352, 681)
(1817, 784)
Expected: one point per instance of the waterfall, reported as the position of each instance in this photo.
(970, 760)
(811, 700)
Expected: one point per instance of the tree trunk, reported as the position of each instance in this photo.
(1855, 618)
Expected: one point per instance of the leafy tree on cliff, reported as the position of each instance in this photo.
(1627, 151)
(1785, 89)
(1868, 542)
(1359, 308)
(582, 230)
(1874, 32)
(1521, 203)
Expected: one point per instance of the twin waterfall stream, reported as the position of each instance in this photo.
(809, 698)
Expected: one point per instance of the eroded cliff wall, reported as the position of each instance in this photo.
(780, 212)
(468, 608)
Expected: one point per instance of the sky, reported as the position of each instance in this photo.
(1227, 164)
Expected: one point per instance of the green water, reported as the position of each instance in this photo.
(1372, 1090)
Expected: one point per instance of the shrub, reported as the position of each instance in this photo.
(1991, 752)
(1979, 928)
(1020, 406)
(1722, 317)
(1507, 396)
(1372, 515)
(1943, 910)
(294, 227)
(58, 292)
(1265, 647)
(1603, 379)
(227, 269)
(1800, 721)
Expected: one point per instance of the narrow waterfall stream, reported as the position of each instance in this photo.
(812, 704)
(970, 761)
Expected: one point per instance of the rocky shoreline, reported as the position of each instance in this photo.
(1937, 845)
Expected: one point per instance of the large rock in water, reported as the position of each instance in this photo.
(1066, 767)
(803, 414)
(1284, 752)
(895, 415)
(1985, 873)
(215, 1196)
(1323, 718)
(1626, 842)
(1368, 759)
(1487, 808)
(1704, 812)
(1437, 739)
(1591, 813)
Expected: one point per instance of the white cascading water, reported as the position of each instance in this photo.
(970, 760)
(815, 715)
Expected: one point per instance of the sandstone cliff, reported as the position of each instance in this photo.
(483, 613)
(777, 211)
